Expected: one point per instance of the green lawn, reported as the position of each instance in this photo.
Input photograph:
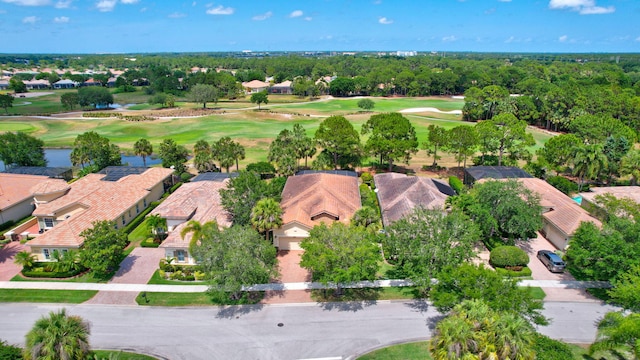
(410, 351)
(46, 296)
(175, 299)
(342, 106)
(157, 280)
(140, 233)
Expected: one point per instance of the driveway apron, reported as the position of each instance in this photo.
(8, 269)
(137, 268)
(290, 272)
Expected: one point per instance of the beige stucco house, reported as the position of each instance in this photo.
(195, 201)
(16, 195)
(311, 199)
(255, 86)
(65, 210)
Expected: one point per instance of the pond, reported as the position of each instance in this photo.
(60, 158)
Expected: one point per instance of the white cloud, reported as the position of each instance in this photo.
(177, 15)
(221, 10)
(377, 2)
(563, 38)
(308, 18)
(30, 20)
(194, 3)
(129, 1)
(60, 19)
(449, 38)
(28, 2)
(63, 4)
(583, 7)
(384, 21)
(106, 5)
(510, 39)
(262, 17)
(296, 13)
(504, 0)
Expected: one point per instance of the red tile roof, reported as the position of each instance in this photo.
(16, 188)
(199, 201)
(101, 200)
(306, 196)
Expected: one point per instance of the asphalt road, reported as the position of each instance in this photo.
(309, 331)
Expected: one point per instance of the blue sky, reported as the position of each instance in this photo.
(120, 26)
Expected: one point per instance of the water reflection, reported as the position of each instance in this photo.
(60, 158)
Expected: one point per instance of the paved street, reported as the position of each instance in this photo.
(252, 332)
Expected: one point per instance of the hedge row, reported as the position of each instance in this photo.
(508, 256)
(50, 274)
(149, 243)
(511, 273)
(456, 184)
(140, 218)
(100, 114)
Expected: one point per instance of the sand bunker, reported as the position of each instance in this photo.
(430, 109)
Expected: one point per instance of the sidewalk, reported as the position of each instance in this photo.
(264, 287)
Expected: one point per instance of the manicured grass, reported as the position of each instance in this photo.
(411, 351)
(347, 105)
(46, 296)
(367, 294)
(139, 234)
(537, 293)
(120, 355)
(157, 280)
(145, 107)
(174, 299)
(88, 277)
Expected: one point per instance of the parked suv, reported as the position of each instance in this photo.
(552, 261)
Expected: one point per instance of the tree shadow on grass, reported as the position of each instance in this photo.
(349, 300)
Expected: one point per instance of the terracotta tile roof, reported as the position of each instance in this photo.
(399, 194)
(50, 186)
(255, 84)
(199, 201)
(15, 188)
(631, 192)
(565, 213)
(101, 200)
(284, 84)
(307, 196)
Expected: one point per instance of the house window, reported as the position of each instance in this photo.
(144, 201)
(180, 255)
(48, 223)
(46, 254)
(129, 213)
(64, 251)
(137, 208)
(123, 220)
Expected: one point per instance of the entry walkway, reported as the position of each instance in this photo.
(266, 287)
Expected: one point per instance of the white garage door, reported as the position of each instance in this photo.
(289, 243)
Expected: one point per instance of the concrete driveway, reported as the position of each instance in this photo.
(137, 268)
(290, 272)
(540, 272)
(8, 269)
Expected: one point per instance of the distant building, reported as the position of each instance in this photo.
(406, 53)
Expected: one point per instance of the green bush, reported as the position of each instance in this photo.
(367, 178)
(550, 349)
(9, 352)
(149, 243)
(512, 273)
(140, 218)
(41, 273)
(185, 176)
(456, 184)
(511, 257)
(563, 184)
(368, 197)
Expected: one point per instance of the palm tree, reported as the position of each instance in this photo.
(616, 331)
(589, 162)
(143, 148)
(475, 331)
(198, 231)
(25, 259)
(238, 153)
(630, 165)
(158, 226)
(59, 336)
(266, 215)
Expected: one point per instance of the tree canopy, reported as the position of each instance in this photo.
(174, 155)
(91, 148)
(95, 96)
(204, 93)
(58, 336)
(235, 257)
(243, 193)
(259, 98)
(391, 138)
(338, 137)
(424, 242)
(20, 149)
(6, 101)
(103, 247)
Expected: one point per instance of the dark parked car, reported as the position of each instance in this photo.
(552, 261)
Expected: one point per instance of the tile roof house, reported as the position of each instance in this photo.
(16, 195)
(255, 86)
(619, 192)
(561, 215)
(198, 201)
(65, 84)
(399, 194)
(285, 87)
(65, 210)
(309, 200)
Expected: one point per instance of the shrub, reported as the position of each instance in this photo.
(512, 273)
(162, 273)
(165, 265)
(563, 184)
(185, 176)
(511, 257)
(456, 184)
(262, 168)
(550, 349)
(9, 352)
(367, 178)
(149, 243)
(198, 275)
(368, 197)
